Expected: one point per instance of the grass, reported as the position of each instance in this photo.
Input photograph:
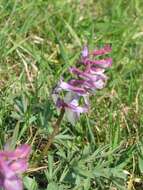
(39, 40)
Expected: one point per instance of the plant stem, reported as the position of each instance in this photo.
(56, 127)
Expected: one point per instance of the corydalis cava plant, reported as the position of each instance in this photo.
(73, 95)
(12, 165)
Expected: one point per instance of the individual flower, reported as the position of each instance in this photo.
(106, 49)
(72, 107)
(76, 91)
(12, 165)
(85, 52)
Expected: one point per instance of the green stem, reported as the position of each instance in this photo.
(56, 127)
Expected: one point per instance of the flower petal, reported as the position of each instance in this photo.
(13, 184)
(1, 180)
(95, 70)
(23, 151)
(5, 171)
(103, 63)
(74, 106)
(85, 52)
(106, 49)
(85, 75)
(99, 84)
(13, 163)
(69, 87)
(19, 166)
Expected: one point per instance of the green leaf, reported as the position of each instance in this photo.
(52, 186)
(140, 164)
(73, 33)
(14, 137)
(30, 183)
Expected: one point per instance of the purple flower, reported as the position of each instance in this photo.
(12, 165)
(85, 52)
(71, 105)
(106, 49)
(103, 63)
(72, 88)
(87, 80)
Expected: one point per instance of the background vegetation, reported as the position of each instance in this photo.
(39, 40)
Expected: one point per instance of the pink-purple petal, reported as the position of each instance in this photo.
(85, 75)
(23, 151)
(13, 163)
(103, 63)
(85, 52)
(106, 49)
(13, 184)
(1, 181)
(77, 108)
(19, 166)
(5, 170)
(69, 87)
